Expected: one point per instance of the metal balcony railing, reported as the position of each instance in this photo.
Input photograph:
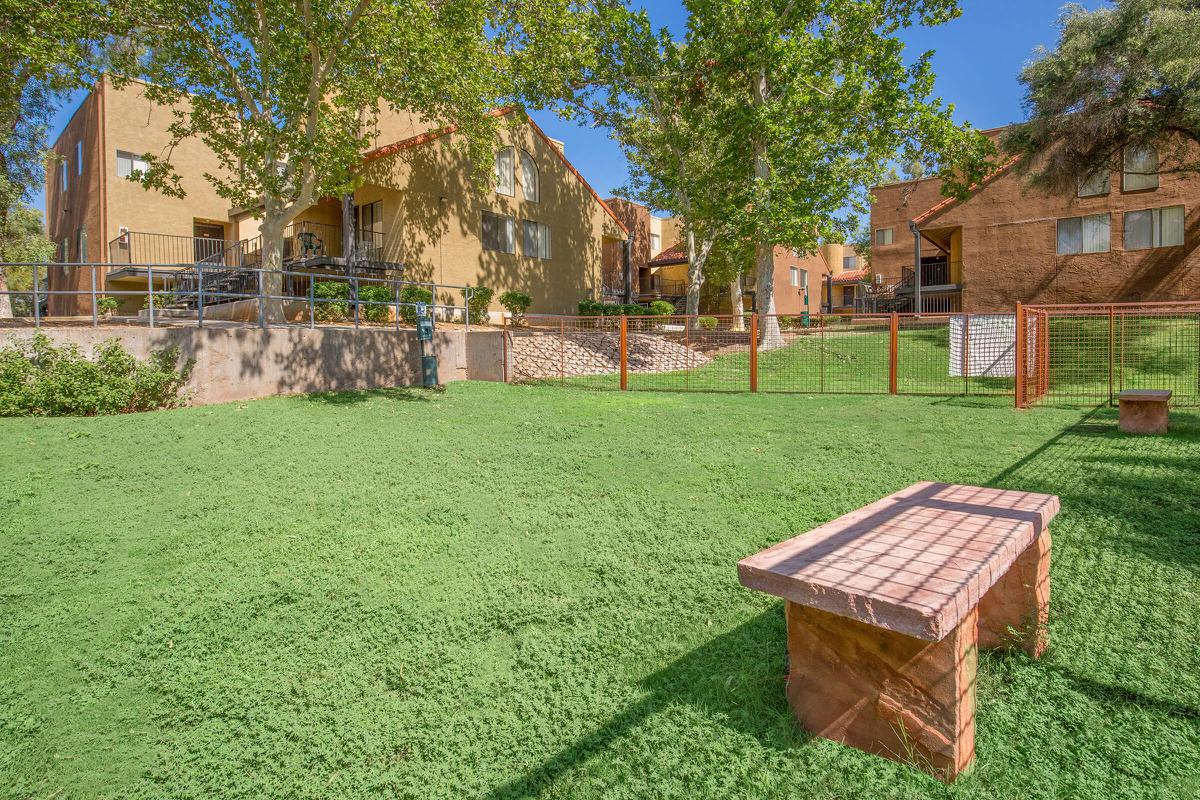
(939, 273)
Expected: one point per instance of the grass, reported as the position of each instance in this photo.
(507, 591)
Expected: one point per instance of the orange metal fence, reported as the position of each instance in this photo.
(935, 354)
(1080, 354)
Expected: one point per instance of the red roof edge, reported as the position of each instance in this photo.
(948, 202)
(675, 254)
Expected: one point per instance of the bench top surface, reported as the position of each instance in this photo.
(915, 562)
(1145, 394)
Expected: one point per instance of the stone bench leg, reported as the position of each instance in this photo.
(1015, 611)
(1143, 416)
(899, 697)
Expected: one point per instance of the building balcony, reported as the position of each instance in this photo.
(936, 276)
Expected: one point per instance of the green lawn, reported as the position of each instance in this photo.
(512, 591)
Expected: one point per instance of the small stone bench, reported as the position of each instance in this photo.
(887, 606)
(1143, 410)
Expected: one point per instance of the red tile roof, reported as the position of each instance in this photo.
(952, 201)
(675, 254)
(433, 135)
(851, 276)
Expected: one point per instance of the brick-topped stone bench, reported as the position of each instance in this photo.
(887, 606)
(1143, 410)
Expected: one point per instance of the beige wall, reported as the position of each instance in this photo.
(433, 218)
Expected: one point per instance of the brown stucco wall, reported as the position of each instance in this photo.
(244, 363)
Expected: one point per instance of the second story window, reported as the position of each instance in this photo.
(531, 185)
(1141, 168)
(655, 244)
(498, 233)
(64, 171)
(803, 279)
(1154, 227)
(849, 262)
(505, 175)
(127, 163)
(1093, 185)
(79, 157)
(795, 276)
(536, 239)
(883, 237)
(1083, 234)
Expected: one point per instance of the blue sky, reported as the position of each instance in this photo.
(976, 58)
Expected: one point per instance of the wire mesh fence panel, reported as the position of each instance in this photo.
(835, 354)
(584, 352)
(955, 354)
(1090, 353)
(678, 353)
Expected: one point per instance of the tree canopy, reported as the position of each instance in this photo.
(1121, 76)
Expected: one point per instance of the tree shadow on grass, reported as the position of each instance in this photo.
(354, 397)
(737, 677)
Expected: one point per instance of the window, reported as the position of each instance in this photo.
(655, 244)
(530, 179)
(368, 228)
(1141, 169)
(536, 239)
(883, 237)
(1083, 234)
(1094, 184)
(498, 233)
(1154, 227)
(505, 177)
(849, 262)
(63, 171)
(847, 295)
(81, 244)
(127, 163)
(795, 276)
(79, 157)
(804, 279)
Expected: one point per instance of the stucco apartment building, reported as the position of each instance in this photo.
(650, 234)
(541, 229)
(1127, 236)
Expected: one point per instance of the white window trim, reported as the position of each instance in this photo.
(794, 276)
(506, 171)
(1151, 179)
(1106, 227)
(509, 233)
(889, 234)
(526, 159)
(1156, 228)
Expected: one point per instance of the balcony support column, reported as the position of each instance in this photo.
(912, 226)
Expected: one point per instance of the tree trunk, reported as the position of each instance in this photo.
(5, 301)
(736, 304)
(272, 264)
(695, 274)
(764, 249)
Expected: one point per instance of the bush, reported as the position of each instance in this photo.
(409, 297)
(662, 308)
(477, 306)
(332, 301)
(516, 303)
(160, 300)
(707, 323)
(372, 294)
(108, 305)
(38, 378)
(592, 308)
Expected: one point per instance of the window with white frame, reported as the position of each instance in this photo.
(128, 163)
(803, 279)
(531, 185)
(1154, 227)
(505, 176)
(1088, 234)
(535, 239)
(849, 262)
(883, 237)
(79, 157)
(64, 170)
(795, 276)
(655, 244)
(497, 234)
(1093, 185)
(1141, 168)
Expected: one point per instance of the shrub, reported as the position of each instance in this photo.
(516, 303)
(38, 378)
(477, 306)
(591, 308)
(409, 297)
(331, 301)
(707, 323)
(161, 300)
(662, 308)
(374, 294)
(108, 305)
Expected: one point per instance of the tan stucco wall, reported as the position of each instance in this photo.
(245, 363)
(439, 239)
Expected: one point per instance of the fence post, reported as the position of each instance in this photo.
(37, 301)
(468, 293)
(504, 347)
(95, 313)
(396, 297)
(1111, 353)
(262, 315)
(966, 354)
(312, 305)
(754, 352)
(150, 283)
(893, 350)
(624, 353)
(354, 295)
(1019, 357)
(199, 296)
(562, 352)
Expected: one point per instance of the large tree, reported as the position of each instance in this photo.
(287, 93)
(819, 101)
(1124, 75)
